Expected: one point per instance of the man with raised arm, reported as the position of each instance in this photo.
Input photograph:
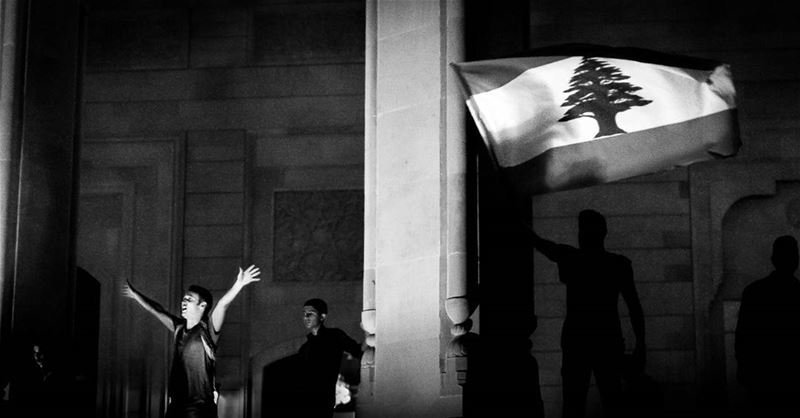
(192, 391)
(591, 337)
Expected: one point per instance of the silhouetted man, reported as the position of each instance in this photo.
(320, 358)
(591, 337)
(192, 391)
(768, 335)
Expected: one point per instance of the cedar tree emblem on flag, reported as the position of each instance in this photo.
(599, 91)
(577, 115)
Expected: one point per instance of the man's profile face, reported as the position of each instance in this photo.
(311, 318)
(38, 355)
(191, 307)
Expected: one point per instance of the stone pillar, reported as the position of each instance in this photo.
(10, 87)
(460, 302)
(366, 386)
(414, 246)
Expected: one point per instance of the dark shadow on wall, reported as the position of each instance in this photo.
(44, 381)
(280, 388)
(284, 387)
(87, 331)
(503, 376)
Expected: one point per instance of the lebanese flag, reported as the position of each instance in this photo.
(577, 115)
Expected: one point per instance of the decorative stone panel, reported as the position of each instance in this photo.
(319, 236)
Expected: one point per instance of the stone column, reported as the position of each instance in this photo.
(10, 87)
(370, 196)
(414, 245)
(460, 302)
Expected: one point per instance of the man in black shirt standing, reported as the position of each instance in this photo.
(192, 391)
(591, 337)
(767, 341)
(320, 358)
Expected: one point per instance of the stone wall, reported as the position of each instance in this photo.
(668, 224)
(249, 105)
(263, 101)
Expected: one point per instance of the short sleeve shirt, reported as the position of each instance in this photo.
(193, 365)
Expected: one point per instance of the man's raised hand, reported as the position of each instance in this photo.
(248, 276)
(127, 290)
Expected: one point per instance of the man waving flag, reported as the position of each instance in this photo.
(576, 115)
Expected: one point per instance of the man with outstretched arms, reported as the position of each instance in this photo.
(192, 391)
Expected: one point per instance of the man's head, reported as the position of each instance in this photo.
(196, 303)
(591, 229)
(314, 313)
(785, 254)
(38, 354)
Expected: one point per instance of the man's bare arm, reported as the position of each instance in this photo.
(243, 279)
(548, 248)
(150, 306)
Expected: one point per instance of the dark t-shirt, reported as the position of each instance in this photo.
(321, 357)
(594, 280)
(768, 335)
(193, 366)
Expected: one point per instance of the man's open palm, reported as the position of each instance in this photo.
(248, 276)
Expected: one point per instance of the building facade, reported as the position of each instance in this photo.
(169, 142)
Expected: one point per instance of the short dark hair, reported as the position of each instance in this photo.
(204, 295)
(785, 253)
(317, 304)
(593, 222)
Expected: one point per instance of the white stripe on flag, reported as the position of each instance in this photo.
(520, 118)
